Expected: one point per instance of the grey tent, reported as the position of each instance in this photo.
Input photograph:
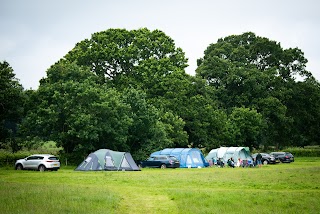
(230, 152)
(106, 159)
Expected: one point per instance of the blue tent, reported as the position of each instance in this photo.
(188, 157)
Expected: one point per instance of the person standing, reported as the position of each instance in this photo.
(258, 159)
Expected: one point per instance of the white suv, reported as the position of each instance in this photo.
(39, 162)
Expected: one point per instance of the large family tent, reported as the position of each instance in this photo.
(105, 159)
(188, 157)
(230, 152)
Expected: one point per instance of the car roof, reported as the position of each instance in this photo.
(45, 155)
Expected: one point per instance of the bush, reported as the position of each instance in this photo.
(304, 152)
(8, 158)
(308, 151)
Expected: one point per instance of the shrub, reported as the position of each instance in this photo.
(8, 158)
(304, 152)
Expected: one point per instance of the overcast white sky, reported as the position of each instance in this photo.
(36, 33)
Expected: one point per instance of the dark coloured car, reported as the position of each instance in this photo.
(290, 156)
(161, 161)
(266, 158)
(283, 157)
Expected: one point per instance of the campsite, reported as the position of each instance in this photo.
(281, 188)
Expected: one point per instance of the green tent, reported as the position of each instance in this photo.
(106, 159)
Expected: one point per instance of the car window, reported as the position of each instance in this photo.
(173, 158)
(160, 158)
(53, 158)
(32, 158)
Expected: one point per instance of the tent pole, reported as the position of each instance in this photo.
(121, 161)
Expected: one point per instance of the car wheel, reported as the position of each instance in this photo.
(19, 167)
(42, 168)
(163, 166)
(265, 162)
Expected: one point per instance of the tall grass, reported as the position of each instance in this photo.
(281, 188)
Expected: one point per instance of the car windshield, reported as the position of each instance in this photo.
(53, 158)
(173, 158)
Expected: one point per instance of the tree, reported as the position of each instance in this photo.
(142, 60)
(256, 73)
(147, 133)
(194, 102)
(245, 126)
(304, 108)
(77, 113)
(249, 50)
(114, 54)
(11, 105)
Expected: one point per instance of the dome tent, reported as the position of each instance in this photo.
(105, 159)
(188, 157)
(230, 152)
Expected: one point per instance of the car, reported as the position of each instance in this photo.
(161, 161)
(41, 162)
(283, 157)
(266, 158)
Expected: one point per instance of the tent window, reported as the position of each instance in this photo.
(189, 162)
(109, 162)
(196, 157)
(88, 159)
(125, 163)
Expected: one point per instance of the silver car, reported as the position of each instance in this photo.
(41, 162)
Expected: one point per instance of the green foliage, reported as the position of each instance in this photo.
(11, 100)
(304, 152)
(77, 113)
(127, 90)
(245, 126)
(303, 106)
(257, 73)
(117, 54)
(147, 132)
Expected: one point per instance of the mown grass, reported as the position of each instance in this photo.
(281, 188)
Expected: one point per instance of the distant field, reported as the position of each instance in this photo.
(281, 188)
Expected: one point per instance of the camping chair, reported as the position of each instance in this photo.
(230, 163)
(250, 163)
(244, 163)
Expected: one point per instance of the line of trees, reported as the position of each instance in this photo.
(128, 91)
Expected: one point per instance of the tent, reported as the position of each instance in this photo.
(230, 152)
(188, 157)
(105, 159)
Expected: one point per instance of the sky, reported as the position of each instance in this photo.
(35, 34)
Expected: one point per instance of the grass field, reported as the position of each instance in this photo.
(281, 188)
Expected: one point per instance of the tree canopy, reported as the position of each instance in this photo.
(254, 72)
(121, 55)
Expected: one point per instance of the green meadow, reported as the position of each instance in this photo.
(281, 188)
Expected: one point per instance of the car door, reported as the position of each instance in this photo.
(150, 162)
(30, 162)
(157, 162)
